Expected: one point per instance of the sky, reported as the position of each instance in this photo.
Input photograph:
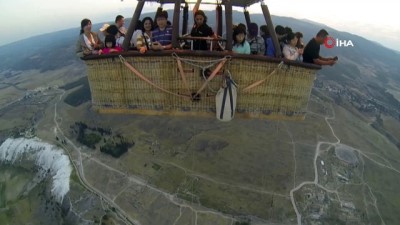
(370, 19)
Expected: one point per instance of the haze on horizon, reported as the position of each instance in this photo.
(369, 19)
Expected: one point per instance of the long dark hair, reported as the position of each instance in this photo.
(200, 12)
(84, 23)
(289, 37)
(151, 21)
(110, 38)
(239, 30)
(299, 44)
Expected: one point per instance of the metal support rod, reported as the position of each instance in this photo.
(185, 18)
(219, 20)
(271, 29)
(247, 17)
(175, 24)
(132, 25)
(229, 30)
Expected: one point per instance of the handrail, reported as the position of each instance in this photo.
(234, 2)
(201, 38)
(191, 39)
(200, 53)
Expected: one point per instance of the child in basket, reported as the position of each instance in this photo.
(110, 45)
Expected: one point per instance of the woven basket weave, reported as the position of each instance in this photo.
(116, 89)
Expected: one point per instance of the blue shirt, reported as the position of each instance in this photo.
(270, 50)
(162, 36)
(242, 49)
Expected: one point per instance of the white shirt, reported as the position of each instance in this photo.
(122, 30)
(89, 43)
(135, 36)
(290, 52)
(119, 41)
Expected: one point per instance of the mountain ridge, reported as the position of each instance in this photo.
(259, 18)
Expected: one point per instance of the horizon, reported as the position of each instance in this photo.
(364, 26)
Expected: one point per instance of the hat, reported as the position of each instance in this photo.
(105, 26)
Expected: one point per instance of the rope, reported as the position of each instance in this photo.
(205, 78)
(203, 68)
(220, 65)
(255, 84)
(192, 61)
(230, 78)
(141, 76)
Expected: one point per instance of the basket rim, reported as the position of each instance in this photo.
(261, 58)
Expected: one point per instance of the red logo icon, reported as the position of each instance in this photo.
(329, 42)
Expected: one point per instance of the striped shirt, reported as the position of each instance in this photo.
(257, 45)
(162, 36)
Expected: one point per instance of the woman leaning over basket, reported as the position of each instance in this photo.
(88, 42)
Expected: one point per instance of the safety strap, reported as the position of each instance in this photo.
(221, 115)
(226, 89)
(230, 96)
(255, 84)
(145, 41)
(213, 74)
(196, 6)
(141, 76)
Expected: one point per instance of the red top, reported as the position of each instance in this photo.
(108, 50)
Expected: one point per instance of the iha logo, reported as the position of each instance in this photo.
(330, 42)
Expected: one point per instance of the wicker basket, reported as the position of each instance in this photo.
(116, 89)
